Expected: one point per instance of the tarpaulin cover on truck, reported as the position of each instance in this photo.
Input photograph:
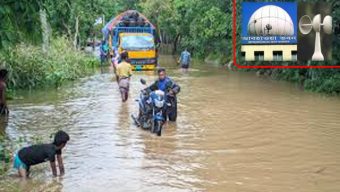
(121, 18)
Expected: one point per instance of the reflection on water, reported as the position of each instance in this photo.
(235, 132)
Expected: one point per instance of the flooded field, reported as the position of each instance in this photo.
(235, 132)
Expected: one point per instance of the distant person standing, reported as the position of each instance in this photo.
(103, 52)
(185, 60)
(3, 103)
(124, 73)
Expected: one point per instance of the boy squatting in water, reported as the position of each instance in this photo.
(36, 154)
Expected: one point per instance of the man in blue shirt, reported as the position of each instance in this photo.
(185, 60)
(170, 88)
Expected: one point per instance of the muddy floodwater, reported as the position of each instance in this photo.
(235, 132)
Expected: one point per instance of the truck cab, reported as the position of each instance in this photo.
(141, 49)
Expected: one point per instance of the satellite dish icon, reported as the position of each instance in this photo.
(306, 25)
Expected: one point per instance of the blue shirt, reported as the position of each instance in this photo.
(162, 84)
(104, 49)
(185, 58)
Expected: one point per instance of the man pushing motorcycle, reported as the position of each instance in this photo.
(171, 89)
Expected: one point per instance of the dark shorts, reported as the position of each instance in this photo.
(102, 58)
(3, 109)
(184, 66)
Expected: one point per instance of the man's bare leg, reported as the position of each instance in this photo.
(23, 173)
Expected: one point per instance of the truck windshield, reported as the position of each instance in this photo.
(137, 42)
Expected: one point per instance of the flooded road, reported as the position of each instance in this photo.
(235, 132)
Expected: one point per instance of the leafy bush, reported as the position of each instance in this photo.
(30, 67)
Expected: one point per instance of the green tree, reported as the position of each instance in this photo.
(190, 23)
(19, 21)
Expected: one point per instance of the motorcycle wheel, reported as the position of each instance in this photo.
(136, 121)
(140, 119)
(159, 126)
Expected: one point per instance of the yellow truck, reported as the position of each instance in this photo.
(132, 32)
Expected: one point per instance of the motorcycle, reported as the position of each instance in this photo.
(152, 109)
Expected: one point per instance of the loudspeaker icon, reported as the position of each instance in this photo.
(306, 25)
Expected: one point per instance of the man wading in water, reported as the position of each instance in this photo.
(184, 60)
(171, 89)
(124, 72)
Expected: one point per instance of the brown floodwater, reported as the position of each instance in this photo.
(235, 132)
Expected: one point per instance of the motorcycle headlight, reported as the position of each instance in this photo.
(159, 103)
